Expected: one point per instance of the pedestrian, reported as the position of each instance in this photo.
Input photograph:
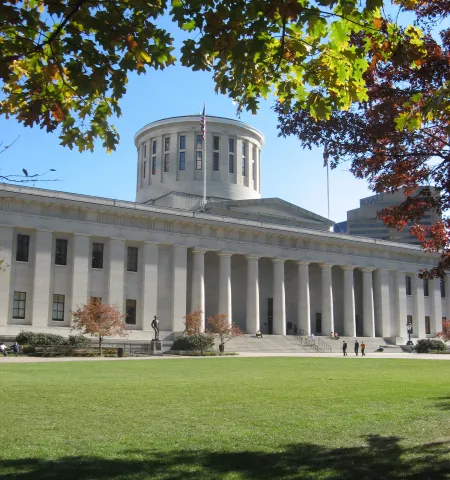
(15, 348)
(295, 330)
(356, 347)
(344, 348)
(363, 349)
(313, 338)
(3, 349)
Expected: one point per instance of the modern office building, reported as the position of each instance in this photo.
(266, 263)
(363, 221)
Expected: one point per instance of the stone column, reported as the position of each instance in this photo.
(279, 297)
(252, 320)
(368, 310)
(198, 282)
(436, 306)
(327, 300)
(116, 279)
(349, 302)
(303, 304)
(225, 285)
(42, 278)
(81, 244)
(179, 283)
(149, 284)
(399, 296)
(6, 247)
(418, 306)
(382, 303)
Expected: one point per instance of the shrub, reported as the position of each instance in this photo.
(39, 339)
(193, 343)
(427, 345)
(79, 341)
(27, 349)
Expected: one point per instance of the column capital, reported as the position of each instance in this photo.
(225, 253)
(348, 267)
(117, 239)
(44, 230)
(148, 242)
(326, 265)
(278, 260)
(303, 263)
(366, 269)
(199, 251)
(82, 235)
(252, 257)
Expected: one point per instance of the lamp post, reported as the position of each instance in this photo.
(409, 329)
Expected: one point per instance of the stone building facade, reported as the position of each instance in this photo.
(266, 263)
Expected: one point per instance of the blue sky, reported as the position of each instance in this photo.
(287, 171)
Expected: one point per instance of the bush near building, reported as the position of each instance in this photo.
(428, 345)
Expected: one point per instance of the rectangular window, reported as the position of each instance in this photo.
(182, 142)
(23, 247)
(154, 147)
(145, 150)
(231, 155)
(199, 142)
(216, 143)
(19, 304)
(61, 251)
(182, 165)
(154, 165)
(131, 312)
(166, 162)
(132, 259)
(243, 166)
(442, 288)
(97, 255)
(216, 161)
(167, 144)
(96, 299)
(144, 168)
(426, 289)
(198, 160)
(427, 325)
(58, 308)
(408, 285)
(254, 164)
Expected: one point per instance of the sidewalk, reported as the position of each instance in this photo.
(402, 356)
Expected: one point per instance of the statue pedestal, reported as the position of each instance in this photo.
(156, 348)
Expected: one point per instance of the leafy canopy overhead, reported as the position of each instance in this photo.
(65, 63)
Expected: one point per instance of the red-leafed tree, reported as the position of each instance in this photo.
(398, 139)
(445, 334)
(99, 320)
(194, 327)
(219, 326)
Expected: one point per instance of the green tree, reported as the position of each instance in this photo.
(65, 63)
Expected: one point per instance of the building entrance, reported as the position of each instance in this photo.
(270, 316)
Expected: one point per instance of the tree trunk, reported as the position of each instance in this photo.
(100, 346)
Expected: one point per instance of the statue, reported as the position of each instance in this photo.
(155, 326)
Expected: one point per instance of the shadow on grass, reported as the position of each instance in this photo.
(443, 403)
(382, 458)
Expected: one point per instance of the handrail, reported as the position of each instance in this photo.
(318, 345)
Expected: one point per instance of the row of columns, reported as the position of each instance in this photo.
(376, 297)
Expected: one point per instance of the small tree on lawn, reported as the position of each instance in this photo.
(218, 325)
(445, 334)
(193, 327)
(100, 320)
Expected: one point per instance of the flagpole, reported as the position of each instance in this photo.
(204, 159)
(328, 189)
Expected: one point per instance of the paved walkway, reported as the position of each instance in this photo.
(403, 356)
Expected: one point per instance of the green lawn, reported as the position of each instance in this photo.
(226, 418)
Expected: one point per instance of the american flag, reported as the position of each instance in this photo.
(203, 122)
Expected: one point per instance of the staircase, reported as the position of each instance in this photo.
(267, 344)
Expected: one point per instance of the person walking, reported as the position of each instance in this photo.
(3, 349)
(344, 348)
(356, 347)
(363, 349)
(15, 348)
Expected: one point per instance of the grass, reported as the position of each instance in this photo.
(226, 418)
